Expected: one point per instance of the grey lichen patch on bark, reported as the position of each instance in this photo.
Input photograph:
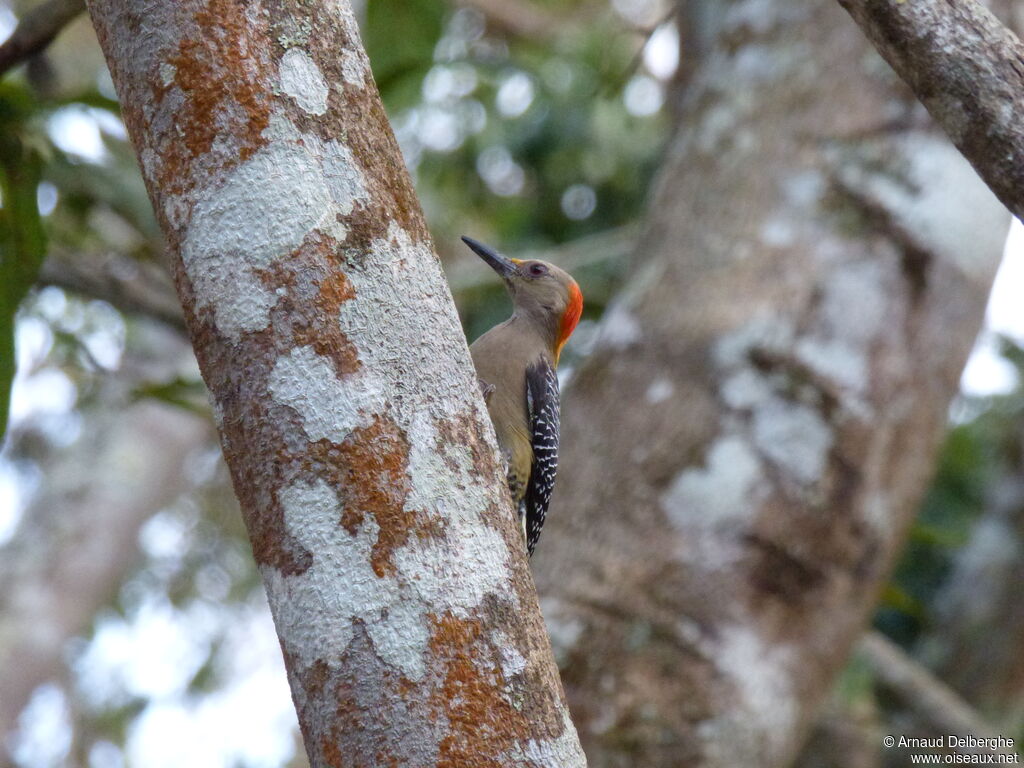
(354, 67)
(932, 195)
(795, 437)
(550, 753)
(262, 212)
(392, 608)
(619, 327)
(773, 423)
(733, 351)
(306, 382)
(795, 382)
(761, 674)
(302, 80)
(393, 293)
(828, 359)
(759, 17)
(840, 350)
(394, 622)
(476, 557)
(721, 494)
(167, 73)
(512, 661)
(783, 428)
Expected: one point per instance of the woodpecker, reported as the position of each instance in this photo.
(516, 363)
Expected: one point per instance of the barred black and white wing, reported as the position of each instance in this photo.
(542, 411)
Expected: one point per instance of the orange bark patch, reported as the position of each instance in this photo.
(335, 290)
(364, 225)
(317, 678)
(258, 462)
(222, 87)
(324, 333)
(373, 463)
(332, 753)
(483, 723)
(314, 323)
(335, 346)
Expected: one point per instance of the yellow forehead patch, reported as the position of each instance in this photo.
(517, 262)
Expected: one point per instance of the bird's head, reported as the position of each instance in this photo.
(541, 293)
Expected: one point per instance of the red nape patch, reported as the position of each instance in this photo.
(570, 318)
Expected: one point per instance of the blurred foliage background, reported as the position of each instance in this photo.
(535, 126)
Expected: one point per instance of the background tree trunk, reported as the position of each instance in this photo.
(348, 409)
(744, 450)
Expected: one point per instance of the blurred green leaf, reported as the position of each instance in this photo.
(189, 394)
(400, 36)
(206, 678)
(22, 241)
(896, 598)
(856, 682)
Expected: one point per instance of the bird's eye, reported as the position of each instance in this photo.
(536, 270)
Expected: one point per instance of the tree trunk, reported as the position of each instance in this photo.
(747, 445)
(349, 414)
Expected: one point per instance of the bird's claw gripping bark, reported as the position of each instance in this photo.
(486, 390)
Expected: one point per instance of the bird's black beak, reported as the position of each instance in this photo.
(503, 265)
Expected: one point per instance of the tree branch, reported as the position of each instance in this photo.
(143, 288)
(931, 700)
(968, 70)
(127, 284)
(611, 245)
(36, 30)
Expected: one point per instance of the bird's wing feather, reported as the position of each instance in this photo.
(542, 408)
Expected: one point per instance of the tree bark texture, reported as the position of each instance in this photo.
(968, 70)
(744, 450)
(349, 414)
